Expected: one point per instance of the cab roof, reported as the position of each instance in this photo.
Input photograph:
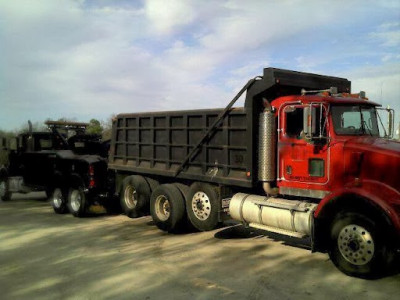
(324, 99)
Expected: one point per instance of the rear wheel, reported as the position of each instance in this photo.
(59, 201)
(5, 194)
(202, 206)
(153, 184)
(167, 207)
(360, 246)
(135, 196)
(77, 203)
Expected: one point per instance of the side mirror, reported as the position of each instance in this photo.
(390, 122)
(309, 121)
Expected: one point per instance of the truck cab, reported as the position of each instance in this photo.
(36, 160)
(326, 143)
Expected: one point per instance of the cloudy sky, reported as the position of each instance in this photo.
(90, 59)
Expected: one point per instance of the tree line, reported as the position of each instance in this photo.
(95, 126)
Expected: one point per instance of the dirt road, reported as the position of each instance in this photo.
(49, 256)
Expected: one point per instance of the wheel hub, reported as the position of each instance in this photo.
(57, 198)
(162, 208)
(76, 200)
(201, 206)
(130, 197)
(356, 244)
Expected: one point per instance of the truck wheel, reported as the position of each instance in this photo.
(202, 206)
(59, 201)
(153, 184)
(167, 207)
(184, 189)
(77, 203)
(5, 194)
(135, 196)
(359, 246)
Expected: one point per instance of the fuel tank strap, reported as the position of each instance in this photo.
(289, 206)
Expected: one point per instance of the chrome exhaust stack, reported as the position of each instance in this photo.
(266, 150)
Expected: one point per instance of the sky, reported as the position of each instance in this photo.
(87, 59)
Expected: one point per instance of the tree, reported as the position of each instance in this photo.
(107, 127)
(94, 127)
(5, 137)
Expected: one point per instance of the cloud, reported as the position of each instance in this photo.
(90, 59)
(166, 16)
(388, 35)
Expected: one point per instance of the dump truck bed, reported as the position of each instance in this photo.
(157, 144)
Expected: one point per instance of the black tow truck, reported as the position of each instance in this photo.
(65, 162)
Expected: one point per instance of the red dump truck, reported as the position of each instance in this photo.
(303, 157)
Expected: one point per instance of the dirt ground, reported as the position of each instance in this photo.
(49, 256)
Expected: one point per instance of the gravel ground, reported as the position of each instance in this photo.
(49, 256)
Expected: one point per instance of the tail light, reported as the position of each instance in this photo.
(91, 170)
(92, 182)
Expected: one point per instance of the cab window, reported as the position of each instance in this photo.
(294, 121)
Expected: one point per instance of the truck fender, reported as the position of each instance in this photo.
(361, 200)
(57, 179)
(75, 180)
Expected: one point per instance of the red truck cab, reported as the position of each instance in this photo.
(346, 165)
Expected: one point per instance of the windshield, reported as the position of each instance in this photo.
(355, 120)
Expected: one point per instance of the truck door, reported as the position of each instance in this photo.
(38, 162)
(303, 163)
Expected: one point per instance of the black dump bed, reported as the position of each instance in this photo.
(161, 143)
(157, 143)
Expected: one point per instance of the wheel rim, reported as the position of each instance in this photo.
(201, 206)
(75, 200)
(2, 189)
(356, 244)
(163, 209)
(130, 197)
(57, 198)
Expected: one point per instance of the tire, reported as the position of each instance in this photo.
(5, 194)
(184, 189)
(135, 196)
(359, 246)
(202, 206)
(77, 202)
(153, 184)
(167, 208)
(58, 200)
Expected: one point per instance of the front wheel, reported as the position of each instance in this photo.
(77, 203)
(359, 245)
(5, 194)
(59, 201)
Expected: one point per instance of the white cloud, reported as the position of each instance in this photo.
(388, 34)
(167, 16)
(91, 59)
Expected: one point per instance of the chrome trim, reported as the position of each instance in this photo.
(318, 194)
